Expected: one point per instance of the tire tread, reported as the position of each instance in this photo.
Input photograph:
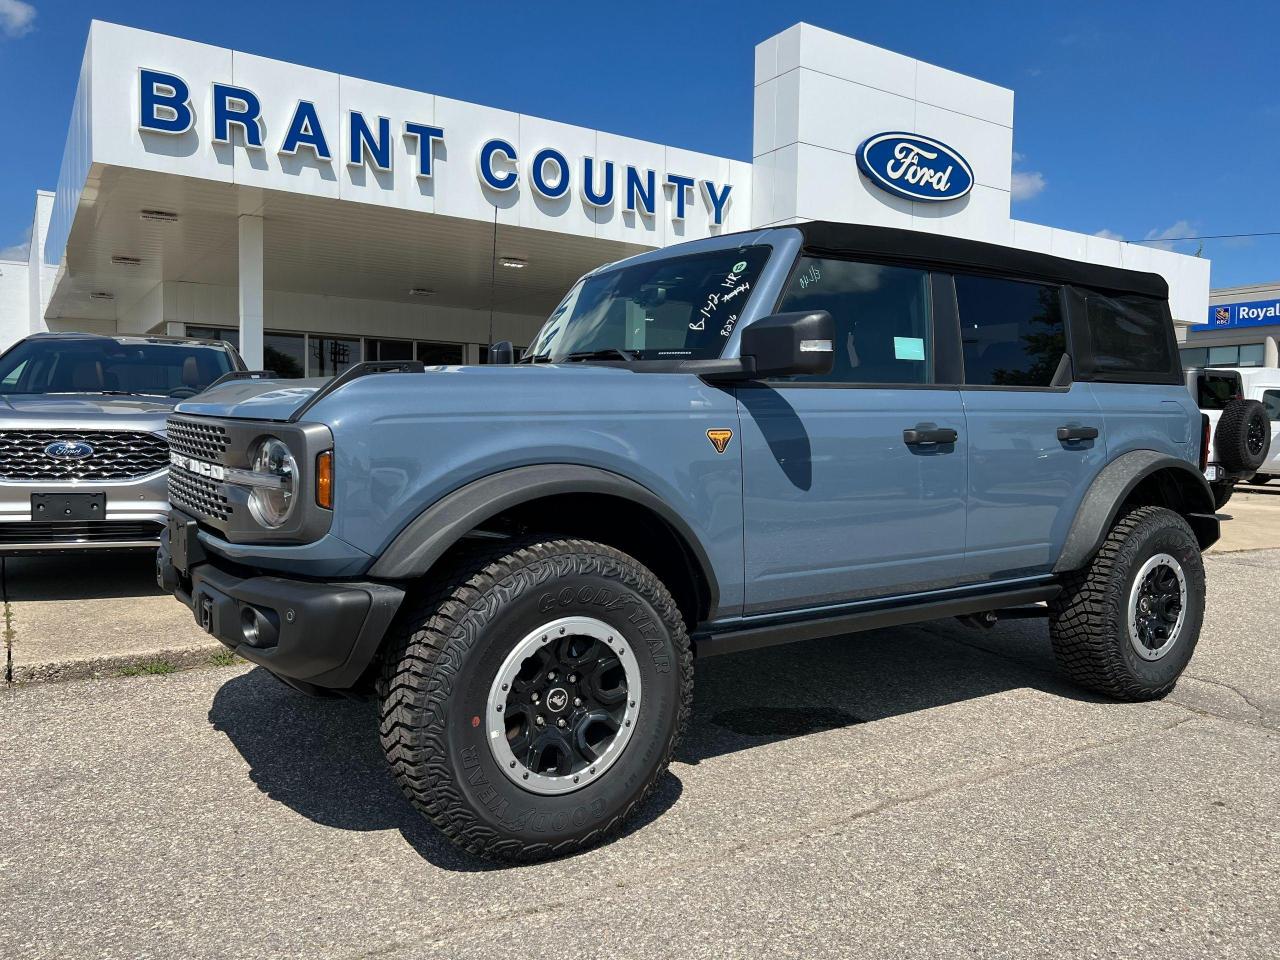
(430, 640)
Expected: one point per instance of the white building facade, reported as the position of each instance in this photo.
(316, 219)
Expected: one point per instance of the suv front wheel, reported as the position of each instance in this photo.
(1126, 625)
(530, 705)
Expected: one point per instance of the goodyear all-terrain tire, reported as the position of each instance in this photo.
(1243, 436)
(530, 704)
(1127, 624)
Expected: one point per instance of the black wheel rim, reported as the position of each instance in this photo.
(563, 706)
(1256, 437)
(1157, 606)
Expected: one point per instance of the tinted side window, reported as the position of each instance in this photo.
(1012, 331)
(881, 313)
(1215, 390)
(1271, 400)
(1129, 334)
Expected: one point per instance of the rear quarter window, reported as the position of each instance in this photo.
(1130, 335)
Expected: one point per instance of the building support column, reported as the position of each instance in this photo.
(251, 309)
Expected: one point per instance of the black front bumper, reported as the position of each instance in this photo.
(308, 633)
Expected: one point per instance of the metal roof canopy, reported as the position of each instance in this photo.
(314, 245)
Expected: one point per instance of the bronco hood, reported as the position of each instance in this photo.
(253, 399)
(83, 411)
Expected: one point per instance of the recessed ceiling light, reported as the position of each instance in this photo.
(101, 295)
(421, 292)
(125, 261)
(515, 263)
(163, 216)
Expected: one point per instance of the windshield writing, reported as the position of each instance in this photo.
(674, 307)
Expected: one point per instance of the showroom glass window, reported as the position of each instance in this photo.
(881, 316)
(388, 349)
(440, 354)
(1012, 331)
(331, 355)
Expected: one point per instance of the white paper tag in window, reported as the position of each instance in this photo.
(908, 348)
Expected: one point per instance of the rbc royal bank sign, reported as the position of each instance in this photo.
(165, 107)
(1255, 313)
(914, 167)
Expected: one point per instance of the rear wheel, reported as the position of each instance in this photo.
(1222, 491)
(529, 706)
(1127, 624)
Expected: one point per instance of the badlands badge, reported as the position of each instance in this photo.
(720, 439)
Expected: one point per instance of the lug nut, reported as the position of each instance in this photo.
(535, 697)
(551, 675)
(573, 678)
(560, 722)
(577, 701)
(538, 720)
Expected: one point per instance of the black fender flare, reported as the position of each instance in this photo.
(1111, 487)
(426, 538)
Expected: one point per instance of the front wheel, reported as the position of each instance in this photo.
(531, 704)
(1127, 624)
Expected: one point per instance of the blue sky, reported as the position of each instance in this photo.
(1144, 120)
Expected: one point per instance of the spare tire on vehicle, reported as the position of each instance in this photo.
(1243, 436)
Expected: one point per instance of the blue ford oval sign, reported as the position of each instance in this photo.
(914, 167)
(68, 450)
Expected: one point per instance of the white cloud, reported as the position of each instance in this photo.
(19, 251)
(17, 18)
(1106, 234)
(1178, 231)
(1027, 184)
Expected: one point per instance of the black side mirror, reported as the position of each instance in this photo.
(789, 344)
(502, 352)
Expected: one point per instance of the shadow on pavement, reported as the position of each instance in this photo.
(96, 575)
(322, 759)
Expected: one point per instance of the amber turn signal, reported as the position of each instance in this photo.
(324, 480)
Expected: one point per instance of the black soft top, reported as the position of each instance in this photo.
(845, 238)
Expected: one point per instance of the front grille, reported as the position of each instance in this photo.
(198, 495)
(71, 532)
(196, 438)
(115, 455)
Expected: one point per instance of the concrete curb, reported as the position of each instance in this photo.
(143, 662)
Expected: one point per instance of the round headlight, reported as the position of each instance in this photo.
(272, 503)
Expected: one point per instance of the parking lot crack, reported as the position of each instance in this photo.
(1262, 720)
(805, 831)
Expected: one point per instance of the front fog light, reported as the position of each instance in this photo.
(272, 501)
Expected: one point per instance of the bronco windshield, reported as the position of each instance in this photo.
(669, 308)
(105, 365)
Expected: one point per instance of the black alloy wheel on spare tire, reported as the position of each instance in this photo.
(534, 697)
(1243, 436)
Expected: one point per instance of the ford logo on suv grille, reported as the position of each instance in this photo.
(914, 167)
(68, 450)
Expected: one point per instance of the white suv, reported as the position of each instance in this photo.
(1241, 407)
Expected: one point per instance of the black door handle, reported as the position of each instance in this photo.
(1069, 433)
(923, 435)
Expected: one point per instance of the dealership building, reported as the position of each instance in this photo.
(1242, 329)
(315, 219)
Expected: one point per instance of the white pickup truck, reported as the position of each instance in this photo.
(1242, 405)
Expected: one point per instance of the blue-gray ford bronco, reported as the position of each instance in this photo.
(757, 438)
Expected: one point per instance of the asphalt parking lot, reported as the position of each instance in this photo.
(933, 791)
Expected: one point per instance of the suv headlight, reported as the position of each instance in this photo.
(272, 501)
